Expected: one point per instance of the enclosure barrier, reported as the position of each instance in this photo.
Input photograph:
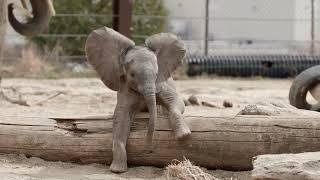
(276, 66)
(216, 142)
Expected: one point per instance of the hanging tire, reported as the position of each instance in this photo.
(305, 81)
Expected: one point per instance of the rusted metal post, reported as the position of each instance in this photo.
(312, 28)
(3, 15)
(122, 16)
(206, 31)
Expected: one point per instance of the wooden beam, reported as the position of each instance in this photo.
(115, 15)
(216, 142)
(122, 16)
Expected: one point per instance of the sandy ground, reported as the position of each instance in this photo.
(86, 97)
(18, 167)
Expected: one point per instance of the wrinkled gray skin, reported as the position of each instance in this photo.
(141, 75)
(42, 11)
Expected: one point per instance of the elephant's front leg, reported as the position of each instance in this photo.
(123, 114)
(178, 124)
(170, 99)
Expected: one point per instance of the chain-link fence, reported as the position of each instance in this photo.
(208, 27)
(252, 26)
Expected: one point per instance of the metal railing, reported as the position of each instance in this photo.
(218, 41)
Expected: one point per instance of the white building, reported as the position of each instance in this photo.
(186, 18)
(284, 20)
(303, 14)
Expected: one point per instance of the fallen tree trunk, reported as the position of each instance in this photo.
(287, 166)
(216, 142)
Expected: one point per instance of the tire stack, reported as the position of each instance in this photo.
(275, 66)
(301, 85)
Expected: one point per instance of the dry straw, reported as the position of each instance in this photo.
(185, 170)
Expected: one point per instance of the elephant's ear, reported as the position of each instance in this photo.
(170, 52)
(103, 50)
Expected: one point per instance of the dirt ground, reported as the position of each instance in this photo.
(89, 97)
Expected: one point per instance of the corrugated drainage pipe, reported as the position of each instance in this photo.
(275, 66)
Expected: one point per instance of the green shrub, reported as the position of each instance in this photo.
(69, 25)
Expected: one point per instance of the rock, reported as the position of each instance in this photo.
(287, 166)
(186, 102)
(277, 104)
(77, 68)
(194, 100)
(253, 109)
(227, 104)
(208, 104)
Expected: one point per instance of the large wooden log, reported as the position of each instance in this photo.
(216, 142)
(287, 166)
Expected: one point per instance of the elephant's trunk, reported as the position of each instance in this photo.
(151, 104)
(42, 11)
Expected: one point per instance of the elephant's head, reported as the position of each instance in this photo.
(42, 11)
(117, 60)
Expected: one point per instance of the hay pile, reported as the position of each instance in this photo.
(185, 170)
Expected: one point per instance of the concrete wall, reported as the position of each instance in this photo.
(243, 19)
(303, 25)
(253, 19)
(188, 15)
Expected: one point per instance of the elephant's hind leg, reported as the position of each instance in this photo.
(123, 114)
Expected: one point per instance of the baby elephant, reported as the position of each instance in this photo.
(141, 75)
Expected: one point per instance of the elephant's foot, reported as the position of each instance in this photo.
(119, 161)
(118, 166)
(182, 131)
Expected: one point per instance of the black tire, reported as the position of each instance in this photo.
(306, 80)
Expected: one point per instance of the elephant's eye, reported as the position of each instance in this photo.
(132, 74)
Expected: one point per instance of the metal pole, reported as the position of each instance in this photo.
(3, 15)
(206, 28)
(122, 16)
(312, 28)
